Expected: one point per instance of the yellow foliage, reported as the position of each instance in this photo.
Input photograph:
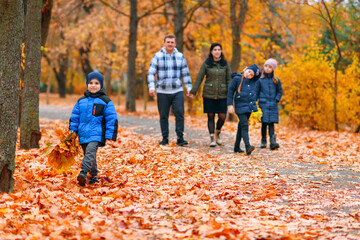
(309, 91)
(62, 156)
(255, 117)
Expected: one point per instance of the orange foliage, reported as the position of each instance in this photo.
(62, 156)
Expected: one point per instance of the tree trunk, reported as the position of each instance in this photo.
(131, 73)
(179, 24)
(29, 122)
(11, 28)
(236, 26)
(84, 58)
(109, 70)
(45, 20)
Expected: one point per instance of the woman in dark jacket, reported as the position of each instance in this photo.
(269, 92)
(218, 77)
(242, 88)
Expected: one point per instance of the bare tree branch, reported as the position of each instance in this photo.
(191, 12)
(114, 8)
(153, 10)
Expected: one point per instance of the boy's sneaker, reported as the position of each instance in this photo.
(81, 179)
(164, 142)
(93, 180)
(181, 142)
(249, 150)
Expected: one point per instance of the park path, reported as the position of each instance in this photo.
(267, 161)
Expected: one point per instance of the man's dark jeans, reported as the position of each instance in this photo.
(164, 102)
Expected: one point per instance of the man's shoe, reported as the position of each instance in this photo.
(93, 180)
(238, 150)
(81, 179)
(249, 150)
(181, 142)
(164, 142)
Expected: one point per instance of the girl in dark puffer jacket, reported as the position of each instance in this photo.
(269, 92)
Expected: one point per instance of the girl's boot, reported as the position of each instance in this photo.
(263, 142)
(273, 144)
(212, 140)
(217, 137)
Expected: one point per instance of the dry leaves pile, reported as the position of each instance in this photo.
(62, 156)
(152, 192)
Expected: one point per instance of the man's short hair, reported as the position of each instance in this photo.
(169, 36)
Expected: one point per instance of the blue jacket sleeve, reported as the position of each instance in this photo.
(278, 91)
(111, 122)
(75, 118)
(231, 92)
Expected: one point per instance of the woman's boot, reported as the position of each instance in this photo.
(273, 144)
(212, 140)
(217, 137)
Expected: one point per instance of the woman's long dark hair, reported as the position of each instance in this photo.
(210, 60)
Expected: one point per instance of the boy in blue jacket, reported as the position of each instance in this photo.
(242, 94)
(93, 119)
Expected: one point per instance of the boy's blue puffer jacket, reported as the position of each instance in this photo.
(94, 118)
(269, 94)
(245, 102)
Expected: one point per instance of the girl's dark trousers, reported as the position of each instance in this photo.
(243, 130)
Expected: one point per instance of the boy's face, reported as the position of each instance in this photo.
(268, 68)
(249, 74)
(94, 86)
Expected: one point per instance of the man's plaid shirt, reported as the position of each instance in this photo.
(171, 70)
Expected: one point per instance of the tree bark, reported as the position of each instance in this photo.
(131, 71)
(29, 122)
(11, 28)
(109, 70)
(45, 20)
(237, 23)
(178, 24)
(84, 58)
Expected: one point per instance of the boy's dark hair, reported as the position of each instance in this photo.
(169, 36)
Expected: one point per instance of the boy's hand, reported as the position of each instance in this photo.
(190, 95)
(230, 109)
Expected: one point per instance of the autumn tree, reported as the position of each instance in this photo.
(29, 122)
(238, 11)
(11, 27)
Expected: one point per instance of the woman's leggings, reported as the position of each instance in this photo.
(211, 121)
(271, 129)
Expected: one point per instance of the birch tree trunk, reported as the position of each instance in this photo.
(11, 28)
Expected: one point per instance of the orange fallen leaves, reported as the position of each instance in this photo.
(62, 156)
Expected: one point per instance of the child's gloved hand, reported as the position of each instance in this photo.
(230, 109)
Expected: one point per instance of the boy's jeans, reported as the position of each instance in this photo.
(88, 164)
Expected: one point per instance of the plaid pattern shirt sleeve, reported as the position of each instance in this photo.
(151, 73)
(185, 73)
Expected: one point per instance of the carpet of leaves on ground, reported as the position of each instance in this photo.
(152, 192)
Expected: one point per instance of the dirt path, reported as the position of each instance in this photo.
(265, 160)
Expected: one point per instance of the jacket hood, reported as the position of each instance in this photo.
(235, 74)
(94, 95)
(164, 51)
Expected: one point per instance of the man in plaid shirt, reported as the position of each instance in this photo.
(171, 69)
